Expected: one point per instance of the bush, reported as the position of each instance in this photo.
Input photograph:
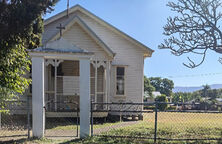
(161, 106)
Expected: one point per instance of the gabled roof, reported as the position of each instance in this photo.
(76, 19)
(99, 20)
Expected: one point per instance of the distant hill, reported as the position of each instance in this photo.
(192, 89)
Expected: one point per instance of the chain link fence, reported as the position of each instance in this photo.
(60, 123)
(158, 122)
(141, 121)
(15, 120)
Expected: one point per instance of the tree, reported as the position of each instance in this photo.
(213, 94)
(182, 97)
(161, 106)
(21, 26)
(205, 90)
(147, 86)
(196, 96)
(196, 29)
(164, 86)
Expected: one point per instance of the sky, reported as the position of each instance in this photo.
(144, 20)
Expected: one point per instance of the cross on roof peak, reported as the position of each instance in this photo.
(60, 27)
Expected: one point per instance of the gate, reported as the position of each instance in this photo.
(62, 121)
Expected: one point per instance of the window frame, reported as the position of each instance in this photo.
(124, 88)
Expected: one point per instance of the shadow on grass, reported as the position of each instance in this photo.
(37, 141)
(72, 141)
(18, 141)
(105, 140)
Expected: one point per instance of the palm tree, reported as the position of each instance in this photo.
(204, 91)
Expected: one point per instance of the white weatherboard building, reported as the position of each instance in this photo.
(83, 58)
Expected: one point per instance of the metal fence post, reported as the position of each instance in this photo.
(155, 132)
(77, 122)
(28, 117)
(91, 118)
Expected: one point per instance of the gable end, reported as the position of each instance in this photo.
(148, 51)
(89, 31)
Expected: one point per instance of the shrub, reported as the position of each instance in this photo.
(161, 106)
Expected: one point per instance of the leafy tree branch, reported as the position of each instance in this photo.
(21, 26)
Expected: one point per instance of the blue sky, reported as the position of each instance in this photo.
(144, 21)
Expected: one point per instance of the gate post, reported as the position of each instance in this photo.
(38, 99)
(84, 98)
(91, 118)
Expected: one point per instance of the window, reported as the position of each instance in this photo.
(120, 80)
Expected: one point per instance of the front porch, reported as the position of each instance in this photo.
(62, 86)
(65, 78)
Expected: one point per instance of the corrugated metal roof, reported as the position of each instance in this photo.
(60, 46)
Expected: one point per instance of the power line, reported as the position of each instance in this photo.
(196, 75)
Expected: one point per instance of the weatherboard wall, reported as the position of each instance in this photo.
(127, 53)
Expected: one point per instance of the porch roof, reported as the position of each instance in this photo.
(61, 49)
(60, 45)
